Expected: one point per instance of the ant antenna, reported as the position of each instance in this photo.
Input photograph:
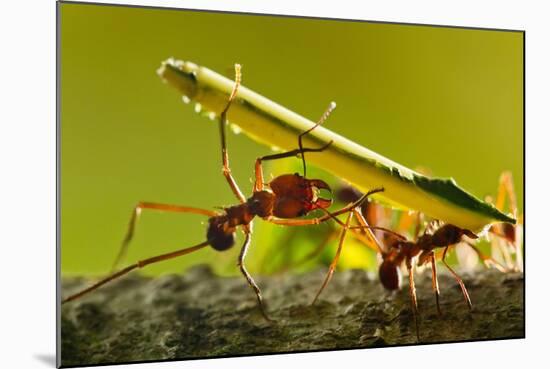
(324, 117)
(236, 85)
(383, 229)
(224, 112)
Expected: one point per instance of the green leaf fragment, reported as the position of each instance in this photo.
(278, 127)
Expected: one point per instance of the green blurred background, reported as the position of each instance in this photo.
(448, 99)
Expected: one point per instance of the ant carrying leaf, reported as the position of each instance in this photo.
(281, 201)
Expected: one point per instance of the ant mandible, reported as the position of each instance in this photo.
(284, 198)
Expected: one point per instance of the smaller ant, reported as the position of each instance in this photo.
(399, 250)
(404, 251)
(506, 237)
(280, 201)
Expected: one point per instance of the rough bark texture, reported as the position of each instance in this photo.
(201, 315)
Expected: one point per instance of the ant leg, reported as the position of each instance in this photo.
(315, 252)
(258, 185)
(249, 279)
(367, 238)
(435, 283)
(223, 121)
(138, 265)
(335, 260)
(152, 206)
(373, 242)
(259, 182)
(500, 242)
(458, 279)
(506, 188)
(324, 117)
(508, 231)
(487, 260)
(419, 221)
(412, 293)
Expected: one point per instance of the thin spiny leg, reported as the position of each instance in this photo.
(139, 264)
(258, 185)
(487, 260)
(335, 260)
(458, 279)
(506, 189)
(370, 234)
(363, 232)
(412, 293)
(249, 279)
(435, 283)
(223, 121)
(324, 218)
(324, 117)
(152, 206)
(315, 221)
(418, 227)
(501, 246)
(259, 181)
(362, 238)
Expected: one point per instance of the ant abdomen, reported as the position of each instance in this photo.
(390, 275)
(219, 235)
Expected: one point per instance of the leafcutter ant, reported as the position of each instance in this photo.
(281, 201)
(396, 250)
(506, 238)
(422, 251)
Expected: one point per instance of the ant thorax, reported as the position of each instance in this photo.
(261, 203)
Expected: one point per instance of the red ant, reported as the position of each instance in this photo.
(398, 250)
(284, 198)
(507, 232)
(404, 251)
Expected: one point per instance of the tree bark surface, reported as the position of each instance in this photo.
(198, 315)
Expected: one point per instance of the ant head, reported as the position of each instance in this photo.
(447, 235)
(504, 230)
(389, 274)
(296, 196)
